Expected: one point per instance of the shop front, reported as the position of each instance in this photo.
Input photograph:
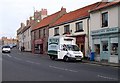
(38, 48)
(105, 44)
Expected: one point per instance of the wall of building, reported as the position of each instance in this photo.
(19, 41)
(119, 15)
(27, 39)
(105, 37)
(95, 19)
(119, 33)
(73, 33)
(72, 27)
(0, 42)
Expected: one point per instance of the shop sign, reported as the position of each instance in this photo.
(39, 41)
(105, 31)
(54, 41)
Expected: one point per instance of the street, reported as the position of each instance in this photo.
(25, 66)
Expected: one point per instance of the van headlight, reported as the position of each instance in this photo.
(69, 54)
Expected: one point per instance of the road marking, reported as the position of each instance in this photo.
(63, 69)
(8, 55)
(17, 58)
(32, 62)
(105, 77)
(37, 63)
(29, 61)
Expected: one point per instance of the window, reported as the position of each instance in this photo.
(97, 49)
(56, 31)
(114, 46)
(105, 19)
(43, 32)
(34, 35)
(28, 32)
(39, 33)
(66, 29)
(79, 26)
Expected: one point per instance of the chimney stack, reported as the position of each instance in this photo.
(43, 11)
(108, 0)
(27, 22)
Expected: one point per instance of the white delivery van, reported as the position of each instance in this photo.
(64, 48)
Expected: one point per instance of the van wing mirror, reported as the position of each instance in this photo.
(64, 49)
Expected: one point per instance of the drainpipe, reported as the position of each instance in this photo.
(88, 29)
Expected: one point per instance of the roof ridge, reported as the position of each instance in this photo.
(53, 14)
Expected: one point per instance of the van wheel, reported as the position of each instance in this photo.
(66, 58)
(52, 57)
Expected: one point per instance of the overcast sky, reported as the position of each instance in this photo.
(13, 12)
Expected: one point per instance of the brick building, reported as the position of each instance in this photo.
(40, 32)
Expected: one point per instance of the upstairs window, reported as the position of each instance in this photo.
(34, 35)
(79, 26)
(67, 29)
(56, 31)
(39, 33)
(105, 19)
(44, 32)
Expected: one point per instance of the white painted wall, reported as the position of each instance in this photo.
(20, 41)
(95, 18)
(27, 39)
(119, 15)
(72, 27)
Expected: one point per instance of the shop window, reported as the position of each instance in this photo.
(37, 47)
(114, 48)
(97, 49)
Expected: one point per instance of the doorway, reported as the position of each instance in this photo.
(104, 50)
(82, 48)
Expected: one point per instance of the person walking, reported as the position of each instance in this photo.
(89, 53)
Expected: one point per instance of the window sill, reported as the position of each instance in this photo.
(79, 31)
(56, 34)
(66, 33)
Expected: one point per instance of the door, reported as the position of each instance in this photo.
(41, 48)
(82, 48)
(104, 50)
(62, 51)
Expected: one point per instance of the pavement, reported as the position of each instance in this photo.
(102, 63)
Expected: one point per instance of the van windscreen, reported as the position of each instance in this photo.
(72, 47)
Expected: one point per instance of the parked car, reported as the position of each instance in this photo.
(6, 49)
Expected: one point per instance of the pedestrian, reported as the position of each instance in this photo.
(89, 52)
(23, 48)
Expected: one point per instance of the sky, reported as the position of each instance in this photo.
(13, 12)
